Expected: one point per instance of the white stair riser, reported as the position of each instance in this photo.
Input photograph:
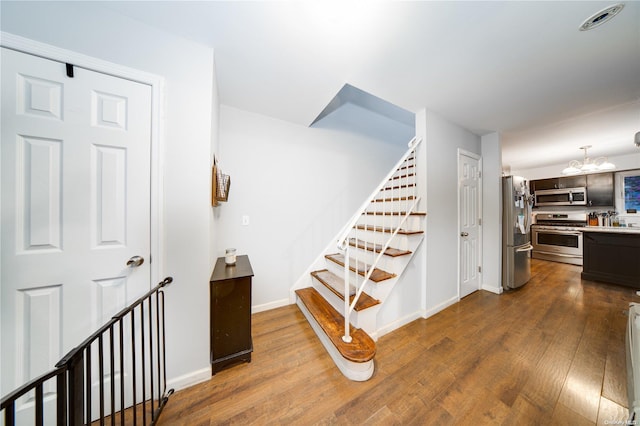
(391, 206)
(413, 222)
(387, 263)
(354, 279)
(367, 320)
(405, 175)
(335, 301)
(401, 241)
(392, 191)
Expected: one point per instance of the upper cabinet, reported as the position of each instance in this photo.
(600, 190)
(559, 183)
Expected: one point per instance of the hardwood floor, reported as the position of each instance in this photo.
(551, 352)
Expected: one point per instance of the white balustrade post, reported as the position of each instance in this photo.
(346, 337)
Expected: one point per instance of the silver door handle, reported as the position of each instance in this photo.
(135, 261)
(577, 256)
(464, 234)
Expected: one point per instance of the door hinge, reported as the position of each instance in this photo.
(480, 269)
(479, 174)
(479, 221)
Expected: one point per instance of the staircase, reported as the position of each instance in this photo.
(361, 270)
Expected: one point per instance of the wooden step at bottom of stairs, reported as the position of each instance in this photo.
(376, 276)
(336, 285)
(354, 359)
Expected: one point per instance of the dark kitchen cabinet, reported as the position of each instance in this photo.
(579, 181)
(600, 190)
(543, 184)
(612, 257)
(230, 313)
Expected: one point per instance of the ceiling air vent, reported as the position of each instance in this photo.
(601, 17)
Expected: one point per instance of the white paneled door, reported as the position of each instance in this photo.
(469, 222)
(75, 169)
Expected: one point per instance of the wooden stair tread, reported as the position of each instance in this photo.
(377, 248)
(362, 348)
(387, 230)
(376, 276)
(408, 175)
(332, 282)
(385, 200)
(395, 213)
(388, 188)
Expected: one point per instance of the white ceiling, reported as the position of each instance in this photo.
(520, 68)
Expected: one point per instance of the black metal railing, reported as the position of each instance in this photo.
(117, 376)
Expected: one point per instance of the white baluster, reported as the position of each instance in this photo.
(346, 337)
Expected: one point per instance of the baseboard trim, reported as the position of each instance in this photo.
(400, 322)
(271, 305)
(444, 305)
(492, 289)
(189, 379)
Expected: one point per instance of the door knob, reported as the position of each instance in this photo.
(135, 261)
(464, 234)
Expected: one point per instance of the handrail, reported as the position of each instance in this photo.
(8, 401)
(117, 317)
(380, 254)
(413, 143)
(343, 241)
(73, 371)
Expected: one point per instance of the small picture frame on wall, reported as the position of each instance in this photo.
(220, 184)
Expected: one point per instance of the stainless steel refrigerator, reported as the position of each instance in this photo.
(516, 236)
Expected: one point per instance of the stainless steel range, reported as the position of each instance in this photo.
(557, 236)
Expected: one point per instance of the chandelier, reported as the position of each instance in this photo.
(588, 165)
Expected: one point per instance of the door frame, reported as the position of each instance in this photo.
(475, 156)
(47, 51)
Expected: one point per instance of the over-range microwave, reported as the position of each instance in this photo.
(561, 197)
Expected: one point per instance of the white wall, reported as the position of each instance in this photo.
(443, 139)
(187, 68)
(491, 213)
(298, 186)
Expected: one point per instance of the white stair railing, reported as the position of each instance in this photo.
(393, 197)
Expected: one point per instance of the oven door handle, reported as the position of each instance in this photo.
(546, 231)
(529, 247)
(560, 254)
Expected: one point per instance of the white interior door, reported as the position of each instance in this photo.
(469, 222)
(75, 207)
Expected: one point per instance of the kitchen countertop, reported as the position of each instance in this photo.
(612, 229)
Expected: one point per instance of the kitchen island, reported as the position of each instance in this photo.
(612, 254)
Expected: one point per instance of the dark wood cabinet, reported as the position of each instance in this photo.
(579, 181)
(230, 313)
(600, 187)
(612, 257)
(600, 190)
(543, 184)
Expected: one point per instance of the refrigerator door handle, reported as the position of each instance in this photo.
(528, 247)
(528, 211)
